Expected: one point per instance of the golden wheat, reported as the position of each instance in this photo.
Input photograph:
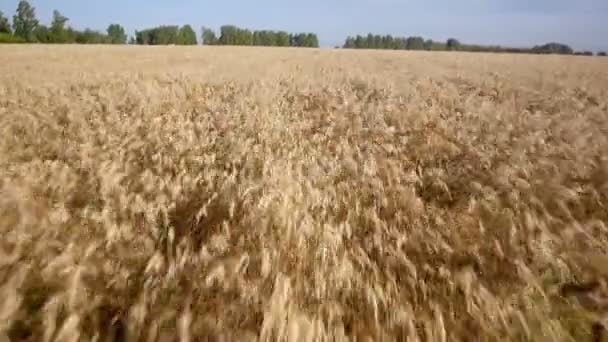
(168, 193)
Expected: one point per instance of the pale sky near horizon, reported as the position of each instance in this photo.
(583, 24)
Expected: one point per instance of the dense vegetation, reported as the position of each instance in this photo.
(27, 29)
(372, 41)
(229, 35)
(232, 35)
(164, 35)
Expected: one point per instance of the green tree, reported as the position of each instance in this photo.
(377, 42)
(387, 42)
(282, 38)
(5, 26)
(431, 45)
(89, 36)
(553, 48)
(142, 37)
(42, 34)
(265, 38)
(400, 44)
(311, 40)
(349, 43)
(415, 43)
(186, 36)
(260, 38)
(297, 40)
(24, 21)
(301, 39)
(161, 35)
(58, 30)
(209, 37)
(165, 35)
(228, 35)
(428, 45)
(453, 44)
(359, 42)
(369, 41)
(244, 37)
(601, 54)
(116, 34)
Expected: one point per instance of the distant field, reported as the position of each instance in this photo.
(274, 194)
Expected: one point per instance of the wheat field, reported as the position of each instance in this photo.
(276, 194)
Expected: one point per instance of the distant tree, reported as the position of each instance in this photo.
(233, 35)
(602, 54)
(132, 40)
(311, 40)
(377, 43)
(24, 21)
(553, 48)
(282, 38)
(116, 34)
(293, 39)
(349, 43)
(244, 37)
(388, 42)
(142, 37)
(208, 37)
(167, 35)
(42, 34)
(186, 36)
(302, 37)
(161, 35)
(400, 44)
(369, 41)
(384, 43)
(263, 37)
(453, 44)
(5, 26)
(89, 36)
(415, 43)
(432, 45)
(270, 38)
(58, 29)
(360, 42)
(228, 35)
(299, 40)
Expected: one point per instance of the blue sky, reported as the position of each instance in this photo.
(582, 24)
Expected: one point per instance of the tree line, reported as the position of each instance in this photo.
(26, 28)
(229, 35)
(372, 41)
(389, 42)
(166, 35)
(232, 35)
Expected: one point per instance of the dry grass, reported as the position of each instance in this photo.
(278, 194)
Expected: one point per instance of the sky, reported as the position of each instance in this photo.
(582, 24)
